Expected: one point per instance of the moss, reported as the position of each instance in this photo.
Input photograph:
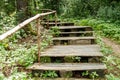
(45, 59)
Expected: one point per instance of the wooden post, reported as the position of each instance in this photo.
(39, 38)
(55, 18)
(47, 21)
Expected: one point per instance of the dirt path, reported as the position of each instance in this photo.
(115, 47)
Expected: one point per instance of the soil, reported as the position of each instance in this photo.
(115, 46)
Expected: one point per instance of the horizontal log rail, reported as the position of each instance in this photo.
(23, 24)
(46, 10)
(38, 18)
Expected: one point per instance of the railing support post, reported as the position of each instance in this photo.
(39, 38)
(47, 21)
(55, 18)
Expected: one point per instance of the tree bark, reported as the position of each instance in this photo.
(24, 13)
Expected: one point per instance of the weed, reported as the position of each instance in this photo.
(77, 58)
(85, 73)
(93, 75)
(111, 77)
(51, 74)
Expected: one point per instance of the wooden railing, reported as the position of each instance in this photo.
(38, 18)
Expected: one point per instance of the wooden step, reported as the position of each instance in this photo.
(68, 66)
(73, 27)
(73, 50)
(74, 38)
(38, 78)
(59, 23)
(80, 32)
(51, 21)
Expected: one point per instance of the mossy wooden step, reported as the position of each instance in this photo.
(51, 21)
(58, 24)
(74, 40)
(67, 66)
(73, 50)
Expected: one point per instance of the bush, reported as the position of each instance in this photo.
(108, 29)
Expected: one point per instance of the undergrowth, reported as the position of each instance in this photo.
(19, 50)
(109, 30)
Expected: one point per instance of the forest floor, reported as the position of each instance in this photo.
(113, 63)
(115, 47)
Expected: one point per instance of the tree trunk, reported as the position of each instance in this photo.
(24, 13)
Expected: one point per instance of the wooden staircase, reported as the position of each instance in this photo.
(73, 41)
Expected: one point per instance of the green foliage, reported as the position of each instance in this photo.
(110, 59)
(106, 50)
(16, 76)
(72, 59)
(92, 75)
(6, 22)
(77, 8)
(111, 77)
(45, 59)
(1, 76)
(85, 73)
(53, 4)
(91, 8)
(55, 31)
(107, 28)
(21, 56)
(77, 58)
(51, 74)
(7, 6)
(110, 12)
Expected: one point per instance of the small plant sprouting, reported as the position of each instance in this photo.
(51, 74)
(77, 58)
(85, 73)
(94, 75)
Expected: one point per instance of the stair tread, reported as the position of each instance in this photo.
(76, 32)
(68, 66)
(51, 20)
(73, 50)
(73, 38)
(58, 23)
(72, 27)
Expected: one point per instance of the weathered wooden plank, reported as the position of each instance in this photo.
(74, 38)
(51, 21)
(38, 78)
(68, 66)
(83, 54)
(73, 27)
(73, 50)
(58, 23)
